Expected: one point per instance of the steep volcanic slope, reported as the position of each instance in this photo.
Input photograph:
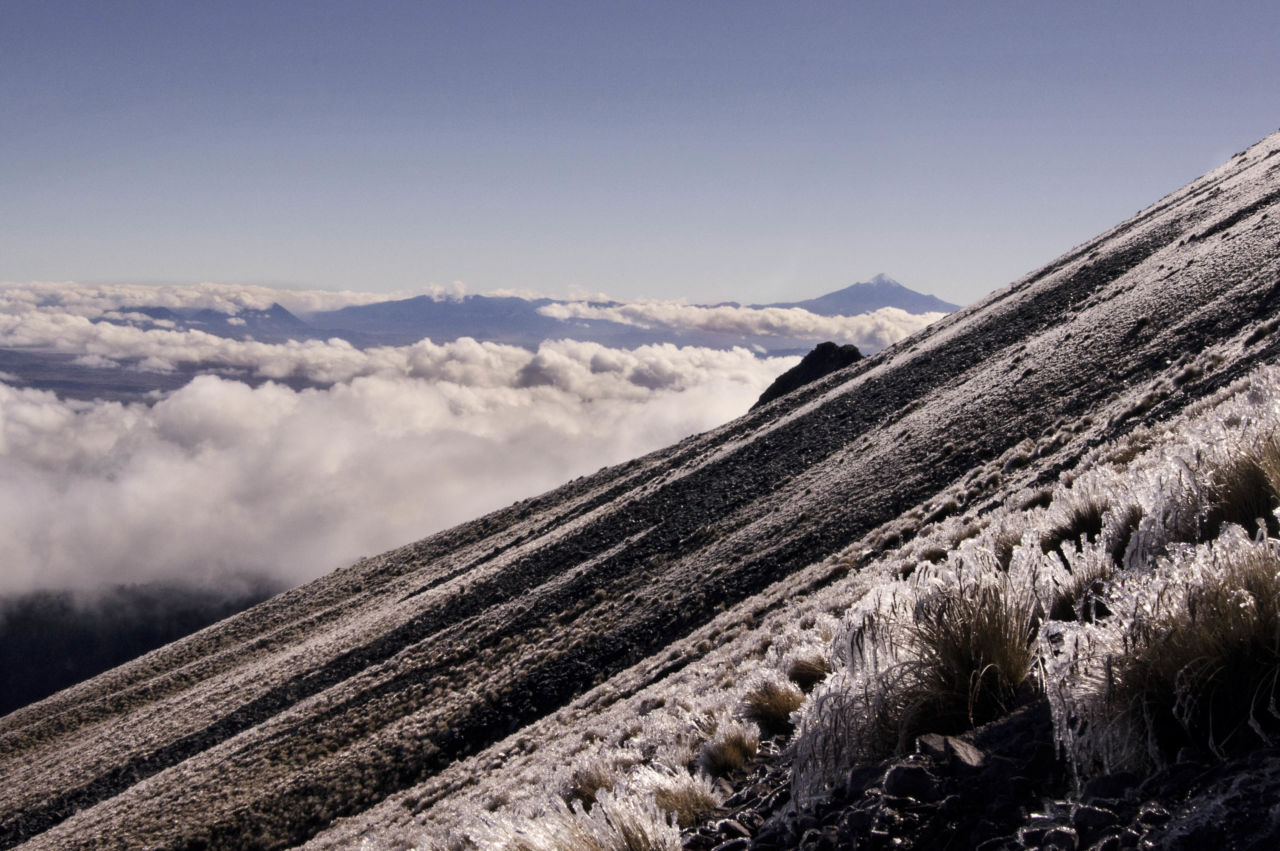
(321, 703)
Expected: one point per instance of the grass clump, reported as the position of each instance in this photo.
(630, 823)
(1042, 498)
(1083, 520)
(588, 780)
(690, 799)
(732, 746)
(940, 654)
(769, 703)
(974, 653)
(1080, 595)
(1003, 541)
(1245, 490)
(1203, 671)
(963, 654)
(1126, 524)
(1083, 596)
(809, 669)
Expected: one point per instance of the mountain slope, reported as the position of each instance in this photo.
(323, 702)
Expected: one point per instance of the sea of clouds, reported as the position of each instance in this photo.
(868, 331)
(95, 300)
(220, 479)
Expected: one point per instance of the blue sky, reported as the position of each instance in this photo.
(708, 150)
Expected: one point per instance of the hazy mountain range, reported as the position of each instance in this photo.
(527, 322)
(148, 357)
(1053, 459)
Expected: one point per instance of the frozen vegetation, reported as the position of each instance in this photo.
(1140, 593)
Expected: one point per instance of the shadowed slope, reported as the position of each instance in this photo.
(50, 640)
(320, 703)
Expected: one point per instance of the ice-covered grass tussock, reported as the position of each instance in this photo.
(1141, 594)
(625, 822)
(729, 748)
(947, 648)
(772, 699)
(1191, 658)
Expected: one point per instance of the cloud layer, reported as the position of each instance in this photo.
(869, 331)
(230, 475)
(95, 300)
(221, 478)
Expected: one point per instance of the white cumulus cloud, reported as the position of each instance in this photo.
(220, 478)
(240, 471)
(869, 331)
(97, 300)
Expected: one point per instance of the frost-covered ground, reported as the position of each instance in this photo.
(1085, 601)
(628, 614)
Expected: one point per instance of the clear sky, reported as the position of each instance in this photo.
(708, 150)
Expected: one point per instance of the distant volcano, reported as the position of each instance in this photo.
(867, 296)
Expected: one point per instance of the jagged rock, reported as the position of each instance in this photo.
(739, 844)
(1060, 839)
(729, 827)
(1092, 823)
(912, 781)
(951, 750)
(825, 359)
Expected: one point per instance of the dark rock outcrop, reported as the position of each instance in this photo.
(825, 359)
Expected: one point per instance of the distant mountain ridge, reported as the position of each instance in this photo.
(520, 321)
(504, 320)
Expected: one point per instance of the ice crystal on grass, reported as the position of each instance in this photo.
(1190, 659)
(617, 823)
(945, 650)
(769, 702)
(1189, 653)
(729, 749)
(688, 798)
(1244, 488)
(807, 669)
